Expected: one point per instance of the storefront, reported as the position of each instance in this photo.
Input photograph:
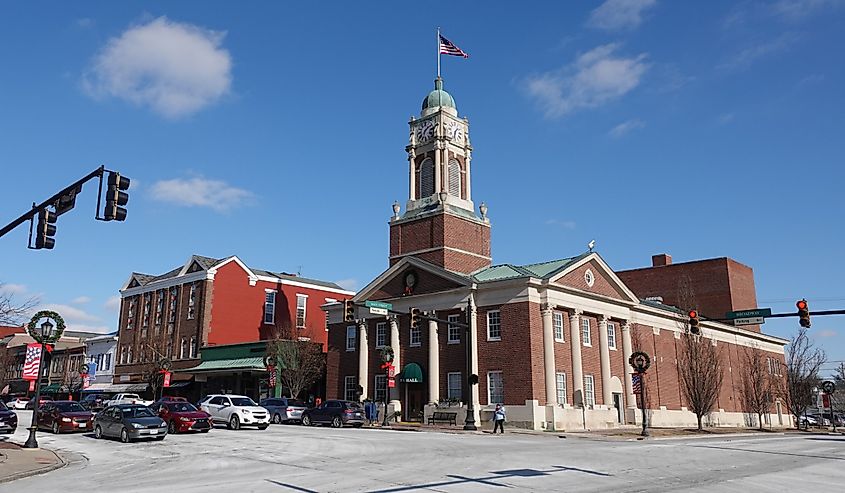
(413, 392)
(231, 369)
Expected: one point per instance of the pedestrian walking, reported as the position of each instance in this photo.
(499, 416)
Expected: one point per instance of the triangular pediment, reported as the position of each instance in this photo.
(411, 277)
(592, 275)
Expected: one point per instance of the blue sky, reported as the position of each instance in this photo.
(277, 133)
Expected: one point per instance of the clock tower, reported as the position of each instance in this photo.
(440, 225)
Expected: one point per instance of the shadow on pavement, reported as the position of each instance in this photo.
(811, 456)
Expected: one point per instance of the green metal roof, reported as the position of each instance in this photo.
(542, 270)
(438, 97)
(251, 363)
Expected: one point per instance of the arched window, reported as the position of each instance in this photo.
(454, 178)
(426, 178)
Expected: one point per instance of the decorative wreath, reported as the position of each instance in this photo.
(32, 329)
(269, 361)
(386, 354)
(83, 369)
(165, 364)
(640, 361)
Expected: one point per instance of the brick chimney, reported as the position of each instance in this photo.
(661, 259)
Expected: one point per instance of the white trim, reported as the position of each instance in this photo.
(487, 325)
(381, 325)
(165, 283)
(354, 339)
(556, 314)
(460, 382)
(388, 274)
(611, 276)
(252, 277)
(300, 284)
(450, 327)
(434, 249)
(489, 393)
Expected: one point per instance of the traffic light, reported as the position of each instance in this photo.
(116, 198)
(46, 229)
(415, 318)
(693, 322)
(803, 313)
(348, 311)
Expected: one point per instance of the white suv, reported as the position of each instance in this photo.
(235, 411)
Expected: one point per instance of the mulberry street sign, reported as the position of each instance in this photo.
(756, 313)
(749, 321)
(378, 307)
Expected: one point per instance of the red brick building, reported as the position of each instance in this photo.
(550, 340)
(213, 302)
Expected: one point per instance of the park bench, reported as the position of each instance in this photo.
(450, 418)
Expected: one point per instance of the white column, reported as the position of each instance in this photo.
(413, 178)
(577, 370)
(433, 363)
(604, 356)
(363, 357)
(437, 175)
(397, 361)
(630, 398)
(549, 355)
(473, 336)
(467, 175)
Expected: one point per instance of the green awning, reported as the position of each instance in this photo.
(412, 373)
(229, 364)
(52, 388)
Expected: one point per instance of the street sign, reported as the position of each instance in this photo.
(378, 311)
(749, 321)
(756, 313)
(391, 382)
(378, 304)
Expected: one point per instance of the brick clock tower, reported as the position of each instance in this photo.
(440, 225)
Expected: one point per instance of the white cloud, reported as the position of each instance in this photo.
(827, 333)
(799, 9)
(625, 128)
(751, 54)
(726, 118)
(348, 284)
(615, 15)
(102, 329)
(174, 68)
(113, 303)
(12, 289)
(85, 23)
(593, 79)
(81, 300)
(562, 224)
(201, 192)
(71, 314)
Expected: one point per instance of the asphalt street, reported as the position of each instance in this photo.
(295, 458)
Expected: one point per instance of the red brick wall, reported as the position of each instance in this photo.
(600, 286)
(426, 283)
(563, 357)
(438, 231)
(512, 355)
(339, 361)
(591, 357)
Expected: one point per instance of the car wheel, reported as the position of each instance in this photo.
(124, 435)
(277, 418)
(234, 422)
(206, 431)
(171, 428)
(358, 425)
(98, 432)
(336, 422)
(262, 427)
(306, 421)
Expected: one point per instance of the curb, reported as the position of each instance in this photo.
(35, 472)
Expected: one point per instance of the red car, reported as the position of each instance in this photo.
(64, 416)
(182, 416)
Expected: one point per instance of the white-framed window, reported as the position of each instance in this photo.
(107, 364)
(454, 171)
(351, 338)
(168, 348)
(171, 310)
(380, 387)
(557, 324)
(589, 391)
(611, 335)
(122, 355)
(453, 385)
(269, 307)
(416, 337)
(192, 301)
(589, 278)
(350, 384)
(183, 348)
(560, 387)
(192, 348)
(381, 334)
(129, 354)
(585, 332)
(159, 308)
(453, 331)
(495, 388)
(494, 325)
(426, 178)
(130, 317)
(145, 321)
(301, 301)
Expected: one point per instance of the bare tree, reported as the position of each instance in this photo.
(803, 362)
(699, 361)
(300, 362)
(755, 390)
(13, 312)
(156, 359)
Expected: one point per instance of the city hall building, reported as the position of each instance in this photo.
(549, 340)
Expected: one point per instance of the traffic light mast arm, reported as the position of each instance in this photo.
(29, 215)
(462, 325)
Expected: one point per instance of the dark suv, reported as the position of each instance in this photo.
(335, 413)
(94, 402)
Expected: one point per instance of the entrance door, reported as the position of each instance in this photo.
(413, 405)
(617, 403)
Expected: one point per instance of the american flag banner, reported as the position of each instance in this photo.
(32, 361)
(448, 48)
(637, 379)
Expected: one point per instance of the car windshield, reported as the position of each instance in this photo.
(131, 396)
(3, 406)
(296, 403)
(137, 412)
(69, 407)
(181, 407)
(242, 401)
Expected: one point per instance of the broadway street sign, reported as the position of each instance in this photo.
(378, 307)
(756, 313)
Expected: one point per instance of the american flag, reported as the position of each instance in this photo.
(638, 383)
(448, 48)
(32, 361)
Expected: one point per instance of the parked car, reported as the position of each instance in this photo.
(283, 409)
(19, 402)
(8, 419)
(127, 399)
(94, 402)
(336, 413)
(64, 416)
(41, 401)
(235, 411)
(182, 416)
(129, 422)
(172, 398)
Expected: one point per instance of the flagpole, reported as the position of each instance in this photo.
(438, 52)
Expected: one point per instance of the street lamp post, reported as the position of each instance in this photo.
(640, 362)
(45, 336)
(469, 422)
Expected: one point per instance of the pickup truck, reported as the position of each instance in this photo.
(126, 399)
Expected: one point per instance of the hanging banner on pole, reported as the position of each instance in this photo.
(167, 379)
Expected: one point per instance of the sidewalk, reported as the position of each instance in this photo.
(17, 462)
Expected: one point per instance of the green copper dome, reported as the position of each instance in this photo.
(438, 97)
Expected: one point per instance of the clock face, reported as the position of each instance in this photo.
(425, 131)
(454, 131)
